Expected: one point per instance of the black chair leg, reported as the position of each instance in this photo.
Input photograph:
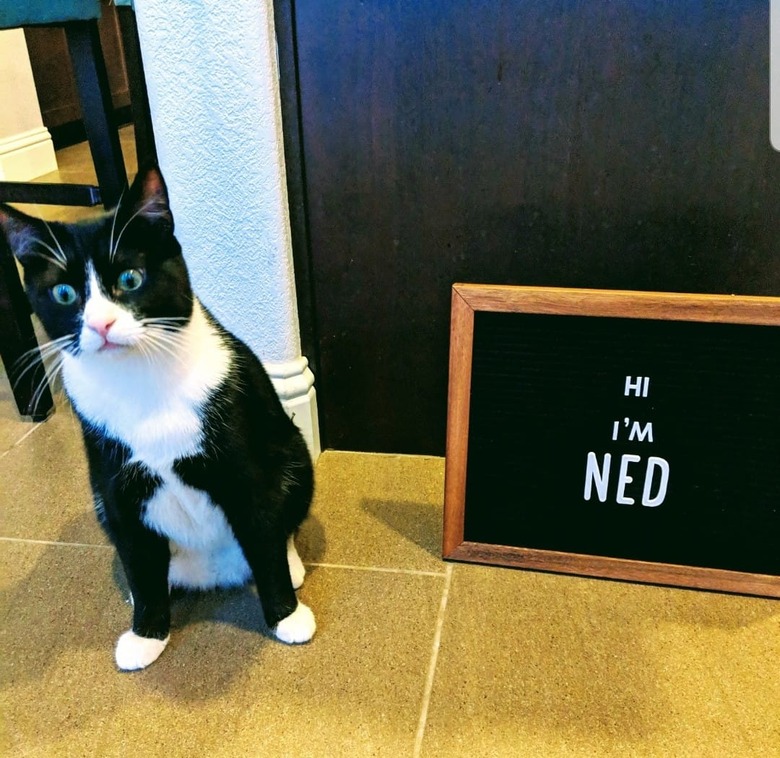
(145, 149)
(89, 70)
(17, 337)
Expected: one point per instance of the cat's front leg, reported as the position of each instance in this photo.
(266, 550)
(290, 620)
(120, 491)
(145, 557)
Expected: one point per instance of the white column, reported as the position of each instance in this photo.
(26, 149)
(213, 84)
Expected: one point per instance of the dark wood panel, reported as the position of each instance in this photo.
(612, 144)
(53, 72)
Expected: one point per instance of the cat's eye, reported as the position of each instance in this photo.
(130, 280)
(63, 294)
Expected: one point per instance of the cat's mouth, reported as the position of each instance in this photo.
(109, 346)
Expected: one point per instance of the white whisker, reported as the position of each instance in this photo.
(144, 207)
(159, 339)
(111, 250)
(54, 258)
(47, 380)
(174, 343)
(36, 357)
(164, 320)
(159, 344)
(170, 330)
(62, 255)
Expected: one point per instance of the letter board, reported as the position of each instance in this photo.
(629, 435)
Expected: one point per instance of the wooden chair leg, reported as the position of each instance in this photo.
(17, 336)
(89, 70)
(145, 148)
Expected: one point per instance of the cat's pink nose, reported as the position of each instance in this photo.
(101, 326)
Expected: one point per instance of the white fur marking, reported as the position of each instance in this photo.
(99, 311)
(204, 551)
(298, 627)
(134, 652)
(206, 569)
(151, 406)
(297, 570)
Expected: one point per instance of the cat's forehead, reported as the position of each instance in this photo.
(77, 241)
(96, 243)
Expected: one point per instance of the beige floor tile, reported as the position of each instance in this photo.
(12, 426)
(542, 665)
(222, 688)
(377, 510)
(45, 492)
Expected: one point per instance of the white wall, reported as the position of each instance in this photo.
(26, 149)
(213, 88)
(212, 77)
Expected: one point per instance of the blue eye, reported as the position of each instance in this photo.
(130, 280)
(63, 294)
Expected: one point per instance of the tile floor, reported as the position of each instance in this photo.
(412, 657)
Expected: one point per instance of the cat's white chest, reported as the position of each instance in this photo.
(186, 515)
(154, 407)
(155, 421)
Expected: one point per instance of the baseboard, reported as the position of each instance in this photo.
(69, 133)
(27, 155)
(294, 383)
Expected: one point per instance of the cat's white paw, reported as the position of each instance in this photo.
(297, 570)
(298, 627)
(134, 652)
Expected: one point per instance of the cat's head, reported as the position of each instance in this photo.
(108, 287)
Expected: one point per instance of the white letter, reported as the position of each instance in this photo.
(624, 479)
(640, 387)
(594, 474)
(652, 464)
(635, 386)
(640, 434)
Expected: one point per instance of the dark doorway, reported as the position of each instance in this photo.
(610, 144)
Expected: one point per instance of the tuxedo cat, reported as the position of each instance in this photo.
(199, 477)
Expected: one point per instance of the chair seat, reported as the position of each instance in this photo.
(15, 13)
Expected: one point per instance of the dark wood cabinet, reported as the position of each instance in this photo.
(609, 144)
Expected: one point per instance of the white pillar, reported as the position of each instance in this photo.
(213, 84)
(26, 149)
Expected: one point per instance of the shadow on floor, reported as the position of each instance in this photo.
(419, 523)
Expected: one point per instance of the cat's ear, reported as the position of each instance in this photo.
(25, 236)
(149, 197)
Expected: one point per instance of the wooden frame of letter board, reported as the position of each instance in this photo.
(468, 298)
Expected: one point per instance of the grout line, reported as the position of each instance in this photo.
(426, 701)
(413, 572)
(381, 569)
(21, 439)
(53, 542)
(332, 452)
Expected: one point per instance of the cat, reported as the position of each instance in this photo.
(199, 477)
